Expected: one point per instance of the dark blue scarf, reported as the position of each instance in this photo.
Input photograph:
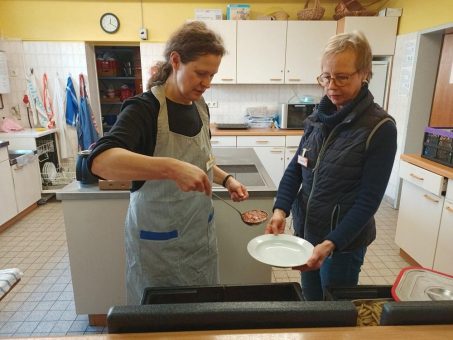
(327, 111)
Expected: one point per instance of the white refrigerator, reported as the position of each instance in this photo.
(378, 83)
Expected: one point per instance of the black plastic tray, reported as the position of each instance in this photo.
(358, 292)
(223, 293)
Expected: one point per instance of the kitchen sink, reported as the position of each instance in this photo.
(247, 174)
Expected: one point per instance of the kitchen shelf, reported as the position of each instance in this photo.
(111, 103)
(116, 78)
(119, 76)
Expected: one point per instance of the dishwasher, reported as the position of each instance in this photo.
(26, 176)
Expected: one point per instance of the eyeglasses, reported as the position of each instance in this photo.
(340, 79)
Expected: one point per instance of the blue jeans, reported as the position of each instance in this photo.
(340, 269)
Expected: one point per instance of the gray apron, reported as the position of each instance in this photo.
(170, 234)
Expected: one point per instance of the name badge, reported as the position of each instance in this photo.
(301, 159)
(211, 162)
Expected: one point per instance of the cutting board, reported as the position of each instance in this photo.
(114, 185)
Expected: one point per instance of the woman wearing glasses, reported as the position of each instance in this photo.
(344, 163)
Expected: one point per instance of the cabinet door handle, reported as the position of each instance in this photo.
(227, 79)
(275, 79)
(262, 141)
(294, 79)
(450, 209)
(214, 141)
(416, 177)
(430, 198)
(276, 150)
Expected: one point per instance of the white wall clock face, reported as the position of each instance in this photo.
(110, 23)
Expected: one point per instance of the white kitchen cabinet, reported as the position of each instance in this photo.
(380, 32)
(418, 223)
(227, 30)
(292, 143)
(420, 212)
(305, 42)
(270, 150)
(443, 258)
(261, 51)
(223, 141)
(8, 207)
(27, 183)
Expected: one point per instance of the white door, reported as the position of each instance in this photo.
(8, 208)
(443, 259)
(227, 70)
(261, 51)
(305, 43)
(418, 223)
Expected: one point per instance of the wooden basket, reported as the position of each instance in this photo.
(315, 13)
(354, 8)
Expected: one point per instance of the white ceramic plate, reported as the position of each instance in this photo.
(280, 250)
(50, 171)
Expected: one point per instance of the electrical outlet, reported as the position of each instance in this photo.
(212, 104)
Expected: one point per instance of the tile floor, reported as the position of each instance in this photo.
(41, 304)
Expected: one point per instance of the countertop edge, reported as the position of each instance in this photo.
(256, 132)
(27, 133)
(426, 164)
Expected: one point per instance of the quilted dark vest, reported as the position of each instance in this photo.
(335, 163)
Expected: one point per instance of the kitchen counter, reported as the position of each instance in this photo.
(436, 332)
(94, 222)
(427, 164)
(27, 133)
(255, 132)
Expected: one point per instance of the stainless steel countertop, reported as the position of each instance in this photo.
(224, 156)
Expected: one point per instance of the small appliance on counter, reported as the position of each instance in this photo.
(292, 116)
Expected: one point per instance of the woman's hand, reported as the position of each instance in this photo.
(238, 192)
(277, 223)
(320, 252)
(189, 177)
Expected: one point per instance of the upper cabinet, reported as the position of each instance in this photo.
(227, 70)
(261, 51)
(380, 32)
(305, 41)
(289, 53)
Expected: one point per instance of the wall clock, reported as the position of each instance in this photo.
(110, 23)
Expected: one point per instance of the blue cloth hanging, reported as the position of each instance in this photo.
(72, 106)
(87, 133)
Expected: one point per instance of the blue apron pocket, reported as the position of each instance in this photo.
(211, 216)
(158, 236)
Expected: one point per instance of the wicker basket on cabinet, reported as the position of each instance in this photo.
(314, 13)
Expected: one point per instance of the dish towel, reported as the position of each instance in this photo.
(36, 105)
(72, 106)
(8, 278)
(59, 110)
(87, 132)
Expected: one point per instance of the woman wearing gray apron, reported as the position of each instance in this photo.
(161, 141)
